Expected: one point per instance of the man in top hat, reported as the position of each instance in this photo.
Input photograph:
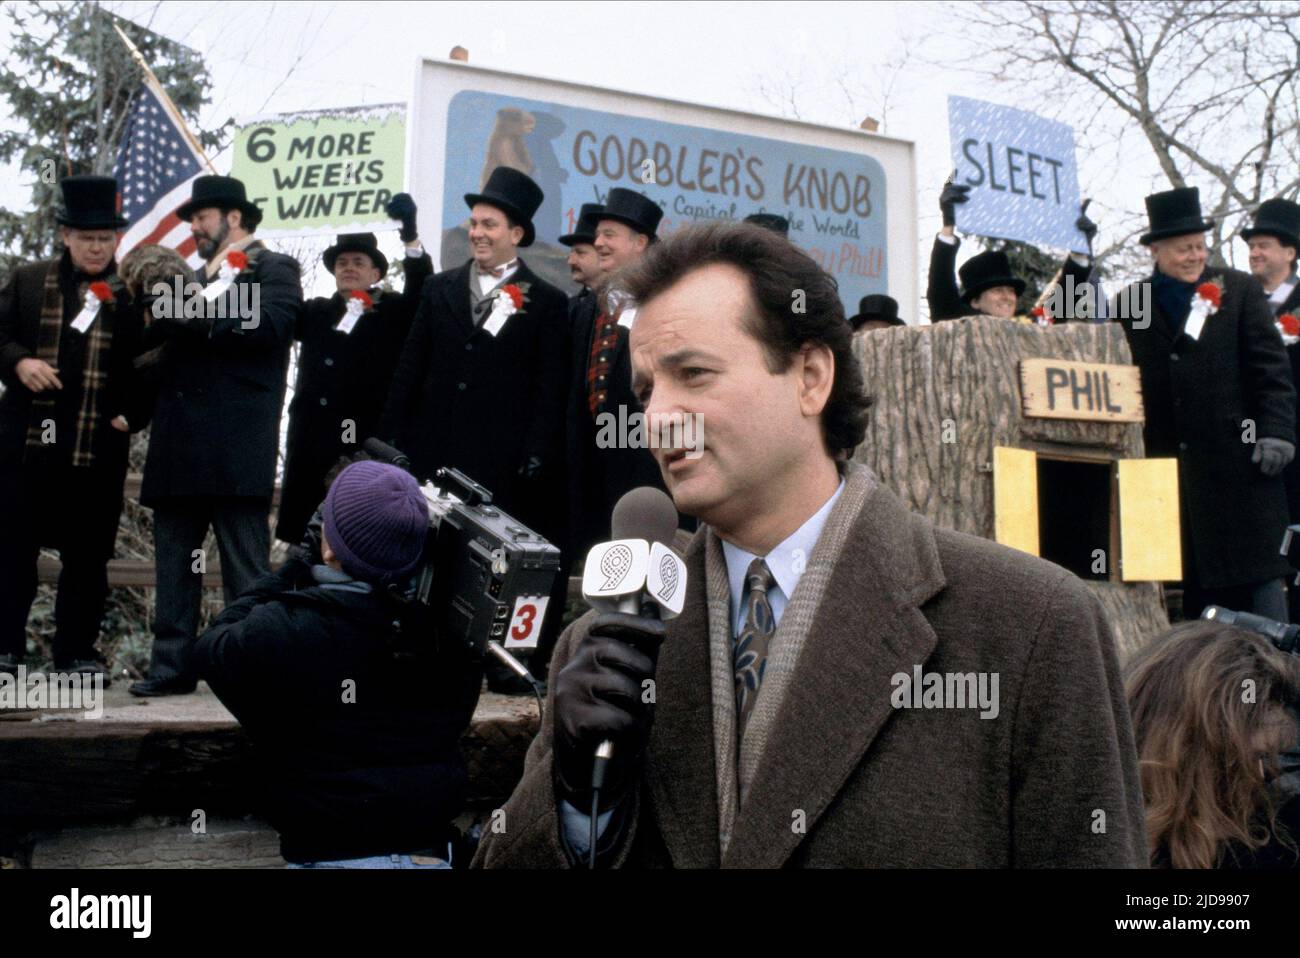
(876, 311)
(602, 376)
(216, 424)
(770, 221)
(1218, 396)
(481, 378)
(988, 287)
(1274, 239)
(349, 353)
(584, 263)
(67, 341)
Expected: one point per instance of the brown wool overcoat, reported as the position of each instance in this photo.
(1052, 781)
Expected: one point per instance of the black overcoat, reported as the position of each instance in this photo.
(216, 423)
(342, 377)
(485, 404)
(1198, 396)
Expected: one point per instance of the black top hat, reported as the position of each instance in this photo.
(632, 209)
(876, 306)
(514, 194)
(585, 231)
(985, 271)
(222, 192)
(1174, 213)
(1280, 218)
(90, 203)
(355, 243)
(770, 221)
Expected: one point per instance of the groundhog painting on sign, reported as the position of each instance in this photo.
(506, 144)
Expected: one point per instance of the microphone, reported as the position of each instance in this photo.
(635, 573)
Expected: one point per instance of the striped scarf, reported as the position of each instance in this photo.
(94, 374)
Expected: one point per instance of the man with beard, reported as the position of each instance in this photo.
(67, 340)
(216, 424)
(1218, 396)
(350, 346)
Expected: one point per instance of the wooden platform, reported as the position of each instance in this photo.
(168, 756)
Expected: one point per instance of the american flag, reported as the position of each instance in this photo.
(156, 164)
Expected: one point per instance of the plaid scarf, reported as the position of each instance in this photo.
(94, 372)
(603, 343)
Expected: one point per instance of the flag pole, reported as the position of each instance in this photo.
(168, 105)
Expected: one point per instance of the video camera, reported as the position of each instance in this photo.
(1285, 637)
(485, 577)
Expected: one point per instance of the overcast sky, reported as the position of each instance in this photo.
(839, 59)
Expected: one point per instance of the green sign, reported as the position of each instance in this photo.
(323, 171)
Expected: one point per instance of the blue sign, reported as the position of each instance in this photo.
(834, 200)
(1022, 173)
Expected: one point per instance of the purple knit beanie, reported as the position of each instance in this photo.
(376, 520)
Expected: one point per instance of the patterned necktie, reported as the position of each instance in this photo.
(749, 654)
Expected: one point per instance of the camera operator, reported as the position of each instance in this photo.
(358, 734)
(1214, 716)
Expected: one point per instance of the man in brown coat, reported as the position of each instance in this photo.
(847, 685)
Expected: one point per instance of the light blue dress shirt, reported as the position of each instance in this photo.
(786, 563)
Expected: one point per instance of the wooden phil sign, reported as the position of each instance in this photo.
(1064, 389)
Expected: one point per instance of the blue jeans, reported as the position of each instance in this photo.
(375, 861)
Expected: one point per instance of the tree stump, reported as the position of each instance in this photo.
(947, 394)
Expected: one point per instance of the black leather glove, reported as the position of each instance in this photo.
(309, 549)
(195, 325)
(1084, 225)
(1273, 455)
(600, 694)
(953, 193)
(402, 207)
(532, 468)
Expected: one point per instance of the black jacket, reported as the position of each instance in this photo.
(941, 290)
(484, 404)
(599, 477)
(20, 319)
(341, 377)
(1197, 396)
(1291, 476)
(216, 423)
(359, 742)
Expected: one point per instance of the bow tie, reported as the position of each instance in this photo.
(499, 271)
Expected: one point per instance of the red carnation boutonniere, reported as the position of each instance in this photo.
(237, 259)
(358, 302)
(103, 292)
(1289, 327)
(1041, 316)
(1208, 298)
(515, 293)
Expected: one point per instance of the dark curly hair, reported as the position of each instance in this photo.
(784, 321)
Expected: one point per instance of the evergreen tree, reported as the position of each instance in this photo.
(68, 83)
